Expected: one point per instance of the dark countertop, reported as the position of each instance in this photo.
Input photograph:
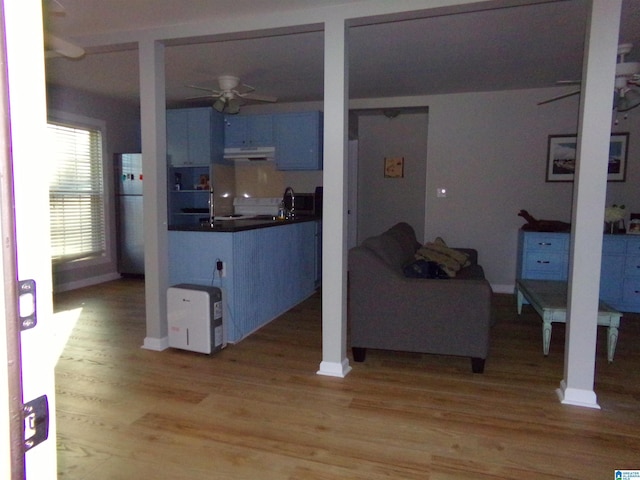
(241, 224)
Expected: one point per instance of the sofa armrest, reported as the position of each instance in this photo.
(472, 252)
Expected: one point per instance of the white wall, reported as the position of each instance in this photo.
(489, 151)
(382, 202)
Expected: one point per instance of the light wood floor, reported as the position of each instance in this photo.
(258, 410)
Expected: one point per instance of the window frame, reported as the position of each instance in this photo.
(80, 121)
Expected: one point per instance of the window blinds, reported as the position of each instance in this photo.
(76, 194)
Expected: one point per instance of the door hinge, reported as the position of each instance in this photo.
(27, 304)
(35, 415)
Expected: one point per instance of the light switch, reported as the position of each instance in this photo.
(441, 192)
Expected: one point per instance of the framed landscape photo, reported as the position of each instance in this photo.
(561, 158)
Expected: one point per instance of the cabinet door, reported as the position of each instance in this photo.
(177, 137)
(235, 131)
(248, 131)
(199, 135)
(298, 141)
(260, 131)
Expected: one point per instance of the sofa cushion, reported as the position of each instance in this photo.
(449, 259)
(396, 246)
(422, 268)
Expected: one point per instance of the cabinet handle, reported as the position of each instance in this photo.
(544, 261)
(544, 244)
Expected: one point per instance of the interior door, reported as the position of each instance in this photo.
(25, 235)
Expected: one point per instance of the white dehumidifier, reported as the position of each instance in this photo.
(194, 314)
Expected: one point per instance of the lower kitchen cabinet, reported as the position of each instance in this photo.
(267, 270)
(545, 256)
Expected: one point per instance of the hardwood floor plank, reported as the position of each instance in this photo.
(257, 410)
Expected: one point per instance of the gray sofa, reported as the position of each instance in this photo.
(390, 311)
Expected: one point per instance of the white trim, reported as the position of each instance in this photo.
(75, 120)
(503, 288)
(334, 369)
(156, 344)
(86, 282)
(577, 396)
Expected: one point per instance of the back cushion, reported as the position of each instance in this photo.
(387, 248)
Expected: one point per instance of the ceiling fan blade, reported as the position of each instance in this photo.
(213, 92)
(559, 97)
(257, 97)
(200, 97)
(569, 82)
(56, 45)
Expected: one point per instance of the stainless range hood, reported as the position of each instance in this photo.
(249, 154)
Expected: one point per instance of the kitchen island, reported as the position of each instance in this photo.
(269, 266)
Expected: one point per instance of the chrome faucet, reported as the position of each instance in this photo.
(212, 208)
(289, 201)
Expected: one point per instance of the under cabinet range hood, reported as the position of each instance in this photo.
(249, 154)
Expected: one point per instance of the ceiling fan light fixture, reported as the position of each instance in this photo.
(233, 106)
(219, 104)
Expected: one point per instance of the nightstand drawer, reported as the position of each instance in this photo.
(632, 267)
(546, 242)
(631, 292)
(542, 264)
(633, 244)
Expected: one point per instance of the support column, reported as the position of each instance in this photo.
(589, 202)
(154, 154)
(334, 229)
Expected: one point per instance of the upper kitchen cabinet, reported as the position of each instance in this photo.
(248, 131)
(193, 136)
(298, 140)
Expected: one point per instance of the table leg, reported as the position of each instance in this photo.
(546, 336)
(611, 344)
(520, 300)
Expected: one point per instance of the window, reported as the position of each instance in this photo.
(76, 193)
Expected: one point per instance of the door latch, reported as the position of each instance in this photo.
(35, 415)
(27, 304)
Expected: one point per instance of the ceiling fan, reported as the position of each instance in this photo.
(229, 96)
(626, 94)
(54, 45)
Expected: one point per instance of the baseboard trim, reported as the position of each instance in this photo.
(577, 396)
(156, 344)
(86, 282)
(498, 288)
(334, 369)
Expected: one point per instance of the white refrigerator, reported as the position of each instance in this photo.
(129, 213)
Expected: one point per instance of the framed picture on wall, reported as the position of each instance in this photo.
(394, 167)
(561, 158)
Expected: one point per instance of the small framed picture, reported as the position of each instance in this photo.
(394, 167)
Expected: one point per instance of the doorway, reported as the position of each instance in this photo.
(385, 197)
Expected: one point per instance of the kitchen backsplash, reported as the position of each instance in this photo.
(257, 180)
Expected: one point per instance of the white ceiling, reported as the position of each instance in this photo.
(527, 46)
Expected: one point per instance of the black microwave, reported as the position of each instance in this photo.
(308, 204)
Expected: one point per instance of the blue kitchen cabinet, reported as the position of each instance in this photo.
(194, 142)
(298, 140)
(267, 270)
(189, 136)
(248, 131)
